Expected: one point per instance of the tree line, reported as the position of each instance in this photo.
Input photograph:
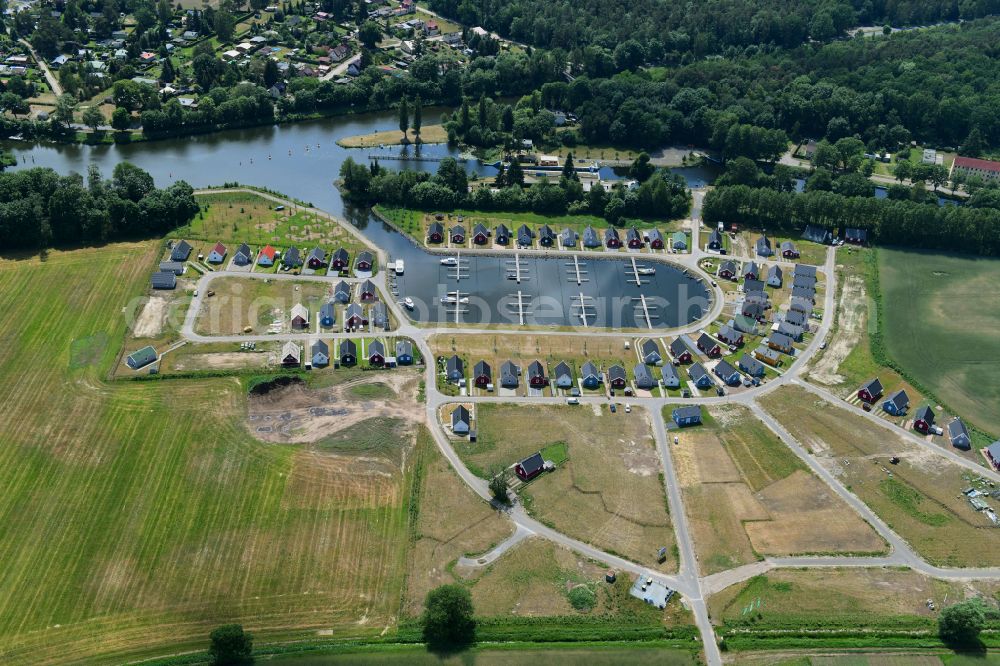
(39, 208)
(888, 221)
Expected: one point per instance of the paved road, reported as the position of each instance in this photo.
(50, 78)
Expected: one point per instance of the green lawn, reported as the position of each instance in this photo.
(940, 317)
(136, 516)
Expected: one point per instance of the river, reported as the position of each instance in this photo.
(302, 160)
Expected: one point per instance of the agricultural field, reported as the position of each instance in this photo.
(939, 324)
(556, 655)
(748, 495)
(609, 492)
(139, 515)
(809, 252)
(919, 498)
(245, 217)
(239, 303)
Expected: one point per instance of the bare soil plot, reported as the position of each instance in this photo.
(259, 304)
(746, 494)
(852, 306)
(609, 493)
(428, 134)
(920, 498)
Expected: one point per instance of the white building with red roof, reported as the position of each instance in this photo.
(971, 166)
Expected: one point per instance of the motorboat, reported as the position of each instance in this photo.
(408, 303)
(398, 267)
(646, 270)
(449, 261)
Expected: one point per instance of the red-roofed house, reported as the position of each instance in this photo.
(217, 254)
(267, 256)
(971, 166)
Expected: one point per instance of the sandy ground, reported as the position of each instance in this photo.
(149, 324)
(300, 414)
(850, 321)
(224, 360)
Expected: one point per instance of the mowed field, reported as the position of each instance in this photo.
(136, 516)
(747, 495)
(609, 493)
(941, 316)
(920, 498)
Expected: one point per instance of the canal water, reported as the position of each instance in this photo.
(303, 160)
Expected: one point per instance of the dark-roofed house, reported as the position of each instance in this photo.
(633, 238)
(791, 330)
(341, 259)
(753, 310)
(959, 434)
(763, 247)
(567, 238)
(404, 352)
(856, 236)
(327, 314)
(320, 354)
(643, 377)
(217, 254)
(243, 256)
(316, 258)
(291, 258)
(342, 292)
(164, 280)
(181, 251)
(679, 351)
(524, 236)
(348, 352)
(670, 377)
(775, 276)
(501, 235)
(616, 377)
(727, 373)
(797, 318)
(141, 358)
(729, 335)
(699, 376)
(590, 375)
(563, 375)
(871, 390)
(530, 467)
(788, 250)
(767, 355)
(435, 232)
(750, 271)
(781, 342)
(727, 270)
(686, 416)
(751, 366)
(715, 240)
(708, 345)
(454, 369)
(896, 403)
(590, 237)
(993, 453)
(482, 374)
(752, 285)
(460, 420)
(802, 305)
(480, 234)
(367, 291)
(805, 293)
(376, 353)
(508, 375)
(546, 237)
(923, 420)
(291, 355)
(380, 316)
(656, 240)
(457, 234)
(804, 269)
(651, 352)
(807, 281)
(536, 375)
(354, 317)
(611, 238)
(364, 262)
(817, 234)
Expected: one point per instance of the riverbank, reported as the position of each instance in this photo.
(429, 134)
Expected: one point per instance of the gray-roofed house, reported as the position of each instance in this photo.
(763, 247)
(546, 237)
(376, 353)
(181, 251)
(480, 234)
(780, 342)
(775, 276)
(536, 375)
(751, 366)
(767, 355)
(727, 373)
(316, 258)
(243, 256)
(320, 354)
(327, 314)
(616, 376)
(611, 238)
(340, 259)
(651, 352)
(707, 344)
(750, 271)
(435, 232)
(342, 292)
(567, 238)
(670, 377)
(590, 375)
(715, 240)
(501, 235)
(291, 258)
(643, 377)
(679, 351)
(367, 291)
(509, 375)
(993, 453)
(633, 239)
(752, 285)
(655, 239)
(354, 316)
(923, 419)
(807, 281)
(804, 269)
(803, 305)
(141, 358)
(348, 352)
(817, 234)
(454, 369)
(788, 250)
(804, 293)
(959, 434)
(699, 376)
(728, 270)
(590, 237)
(175, 267)
(291, 354)
(460, 420)
(404, 352)
(164, 280)
(729, 335)
(482, 374)
(797, 318)
(896, 403)
(364, 262)
(457, 234)
(686, 416)
(563, 375)
(791, 330)
(871, 390)
(380, 316)
(524, 236)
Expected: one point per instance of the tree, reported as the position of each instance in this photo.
(224, 25)
(369, 34)
(974, 144)
(168, 74)
(121, 119)
(498, 485)
(65, 107)
(641, 168)
(92, 117)
(448, 621)
(515, 174)
(568, 172)
(231, 645)
(902, 170)
(404, 118)
(418, 120)
(960, 624)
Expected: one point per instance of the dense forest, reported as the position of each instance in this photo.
(664, 31)
(40, 208)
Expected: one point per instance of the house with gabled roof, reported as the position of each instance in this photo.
(291, 258)
(634, 239)
(699, 376)
(817, 234)
(461, 420)
(763, 247)
(457, 234)
(744, 324)
(454, 369)
(291, 354)
(546, 237)
(806, 281)
(327, 314)
(404, 352)
(751, 366)
(897, 403)
(590, 375)
(871, 390)
(180, 251)
(480, 234)
(643, 377)
(780, 342)
(715, 240)
(367, 291)
(775, 276)
(530, 467)
(686, 416)
(342, 292)
(728, 270)
(536, 375)
(767, 355)
(729, 335)
(316, 258)
(243, 256)
(380, 316)
(482, 374)
(923, 420)
(804, 269)
(679, 351)
(656, 242)
(435, 232)
(300, 316)
(788, 250)
(611, 238)
(802, 305)
(525, 236)
(141, 358)
(678, 241)
(727, 373)
(805, 293)
(590, 237)
(320, 354)
(959, 434)
(567, 238)
(501, 235)
(856, 236)
(617, 377)
(650, 352)
(340, 259)
(217, 254)
(348, 352)
(267, 256)
(163, 280)
(709, 346)
(751, 285)
(354, 317)
(670, 377)
(563, 375)
(509, 374)
(789, 329)
(750, 270)
(364, 262)
(753, 310)
(376, 353)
